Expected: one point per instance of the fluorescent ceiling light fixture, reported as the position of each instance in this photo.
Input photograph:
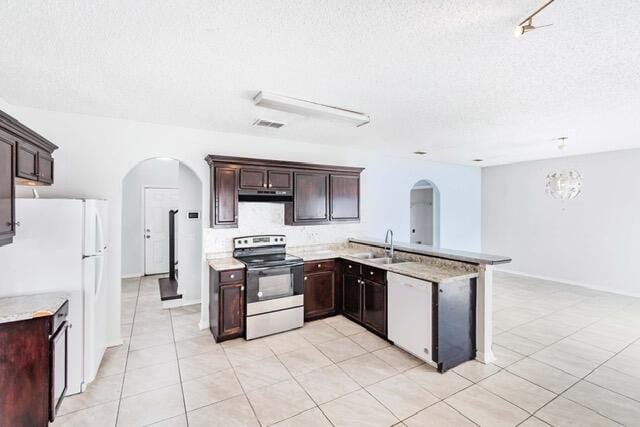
(310, 109)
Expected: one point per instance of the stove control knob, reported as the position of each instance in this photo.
(246, 241)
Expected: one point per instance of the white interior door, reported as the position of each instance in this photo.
(157, 204)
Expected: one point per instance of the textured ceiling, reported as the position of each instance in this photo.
(444, 76)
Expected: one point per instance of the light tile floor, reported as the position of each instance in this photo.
(566, 356)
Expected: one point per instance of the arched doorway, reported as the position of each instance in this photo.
(162, 227)
(425, 213)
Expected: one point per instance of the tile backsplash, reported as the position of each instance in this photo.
(268, 218)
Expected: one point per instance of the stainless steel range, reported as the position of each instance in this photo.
(275, 285)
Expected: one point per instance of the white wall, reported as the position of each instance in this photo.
(151, 173)
(189, 235)
(96, 153)
(592, 240)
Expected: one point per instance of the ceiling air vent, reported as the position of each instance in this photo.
(268, 124)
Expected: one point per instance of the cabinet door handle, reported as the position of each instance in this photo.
(242, 288)
(349, 265)
(371, 273)
(10, 224)
(232, 276)
(264, 185)
(270, 185)
(305, 277)
(319, 265)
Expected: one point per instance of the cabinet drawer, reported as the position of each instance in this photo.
(374, 274)
(350, 267)
(231, 276)
(323, 265)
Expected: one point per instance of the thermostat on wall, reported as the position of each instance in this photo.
(193, 215)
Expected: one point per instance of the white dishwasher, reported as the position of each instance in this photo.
(409, 315)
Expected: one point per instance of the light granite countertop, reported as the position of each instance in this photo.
(225, 263)
(418, 266)
(24, 307)
(450, 254)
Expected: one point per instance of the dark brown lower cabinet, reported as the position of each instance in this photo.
(352, 297)
(320, 289)
(226, 304)
(33, 369)
(364, 296)
(374, 310)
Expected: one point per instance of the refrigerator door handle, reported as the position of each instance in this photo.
(100, 245)
(99, 273)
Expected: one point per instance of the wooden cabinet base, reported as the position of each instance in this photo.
(226, 304)
(33, 369)
(364, 296)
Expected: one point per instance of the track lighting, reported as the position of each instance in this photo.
(527, 24)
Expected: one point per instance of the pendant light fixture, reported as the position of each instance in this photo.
(565, 184)
(527, 24)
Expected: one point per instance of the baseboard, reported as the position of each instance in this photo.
(132, 276)
(567, 282)
(114, 343)
(175, 303)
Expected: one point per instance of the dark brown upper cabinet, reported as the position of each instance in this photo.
(7, 190)
(253, 178)
(310, 199)
(33, 162)
(258, 179)
(45, 167)
(225, 206)
(25, 159)
(345, 197)
(279, 180)
(313, 194)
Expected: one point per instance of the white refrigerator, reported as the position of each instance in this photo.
(61, 245)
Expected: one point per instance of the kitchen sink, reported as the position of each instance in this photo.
(378, 258)
(368, 256)
(387, 260)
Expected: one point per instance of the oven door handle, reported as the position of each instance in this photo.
(272, 267)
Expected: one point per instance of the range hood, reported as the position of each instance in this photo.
(265, 195)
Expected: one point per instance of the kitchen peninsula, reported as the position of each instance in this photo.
(360, 280)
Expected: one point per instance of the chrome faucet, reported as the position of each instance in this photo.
(390, 241)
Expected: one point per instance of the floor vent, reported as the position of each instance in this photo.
(268, 124)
